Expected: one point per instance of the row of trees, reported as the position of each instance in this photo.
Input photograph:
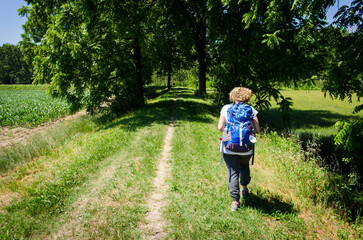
(92, 50)
(13, 68)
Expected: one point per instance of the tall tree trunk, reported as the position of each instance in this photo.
(170, 62)
(201, 50)
(139, 82)
(169, 75)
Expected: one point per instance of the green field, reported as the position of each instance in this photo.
(311, 112)
(28, 106)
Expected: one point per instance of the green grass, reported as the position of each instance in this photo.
(284, 186)
(311, 112)
(96, 184)
(29, 107)
(47, 191)
(22, 87)
(313, 118)
(44, 142)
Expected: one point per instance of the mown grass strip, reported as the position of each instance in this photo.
(111, 202)
(136, 140)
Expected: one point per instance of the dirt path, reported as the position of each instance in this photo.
(10, 136)
(155, 223)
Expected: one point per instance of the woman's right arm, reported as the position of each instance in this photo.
(221, 123)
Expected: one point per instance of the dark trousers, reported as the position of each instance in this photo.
(238, 172)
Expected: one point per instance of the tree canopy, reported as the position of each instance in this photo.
(345, 65)
(91, 51)
(94, 51)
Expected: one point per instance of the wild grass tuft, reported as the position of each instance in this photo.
(43, 143)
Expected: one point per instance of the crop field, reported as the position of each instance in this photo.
(26, 107)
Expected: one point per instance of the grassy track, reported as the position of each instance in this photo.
(96, 185)
(92, 187)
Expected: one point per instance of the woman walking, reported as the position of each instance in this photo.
(238, 161)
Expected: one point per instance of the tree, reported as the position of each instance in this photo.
(345, 68)
(345, 80)
(13, 68)
(90, 51)
(263, 44)
(172, 42)
(195, 14)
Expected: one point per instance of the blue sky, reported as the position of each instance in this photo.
(11, 23)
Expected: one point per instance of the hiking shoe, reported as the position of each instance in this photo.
(244, 193)
(235, 205)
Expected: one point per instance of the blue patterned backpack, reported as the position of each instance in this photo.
(238, 135)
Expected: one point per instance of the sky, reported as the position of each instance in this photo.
(11, 23)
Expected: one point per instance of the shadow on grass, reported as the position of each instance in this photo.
(302, 119)
(271, 205)
(187, 108)
(152, 92)
(318, 145)
(308, 124)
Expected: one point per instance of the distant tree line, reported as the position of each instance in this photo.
(13, 68)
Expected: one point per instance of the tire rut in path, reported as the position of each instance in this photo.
(155, 223)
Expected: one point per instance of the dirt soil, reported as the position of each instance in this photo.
(11, 136)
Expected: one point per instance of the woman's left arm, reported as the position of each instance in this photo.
(256, 124)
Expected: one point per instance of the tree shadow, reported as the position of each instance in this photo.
(317, 145)
(187, 109)
(152, 92)
(271, 205)
(190, 110)
(302, 119)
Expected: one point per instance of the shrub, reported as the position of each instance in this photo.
(349, 141)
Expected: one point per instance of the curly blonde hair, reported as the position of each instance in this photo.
(240, 94)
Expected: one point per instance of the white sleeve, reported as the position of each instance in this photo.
(224, 110)
(254, 112)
